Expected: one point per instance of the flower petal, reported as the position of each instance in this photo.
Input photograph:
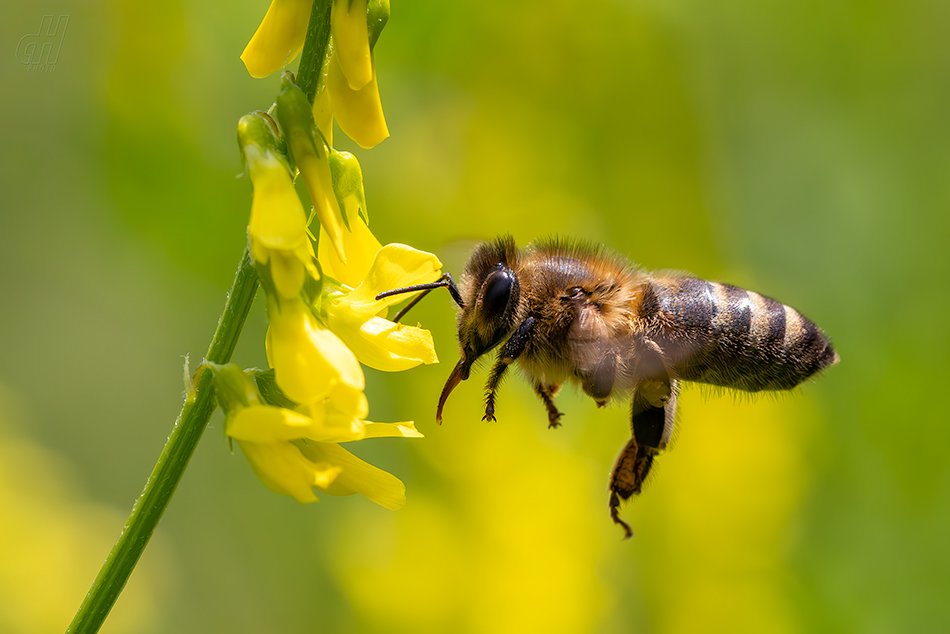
(358, 112)
(360, 246)
(279, 38)
(357, 476)
(380, 343)
(308, 360)
(405, 429)
(316, 174)
(395, 266)
(323, 113)
(287, 272)
(278, 220)
(361, 430)
(337, 418)
(351, 42)
(266, 423)
(287, 471)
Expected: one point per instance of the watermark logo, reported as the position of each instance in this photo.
(39, 51)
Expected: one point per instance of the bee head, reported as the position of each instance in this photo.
(488, 299)
(490, 293)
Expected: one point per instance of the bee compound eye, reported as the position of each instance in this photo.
(496, 291)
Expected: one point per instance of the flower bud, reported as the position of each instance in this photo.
(309, 153)
(348, 185)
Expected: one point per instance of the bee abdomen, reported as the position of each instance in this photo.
(724, 335)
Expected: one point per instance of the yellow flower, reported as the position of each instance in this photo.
(269, 423)
(352, 310)
(292, 455)
(320, 333)
(359, 319)
(293, 452)
(278, 226)
(277, 230)
(351, 87)
(310, 363)
(279, 38)
(351, 39)
(358, 112)
(356, 476)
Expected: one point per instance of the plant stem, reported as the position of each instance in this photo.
(199, 404)
(181, 444)
(314, 50)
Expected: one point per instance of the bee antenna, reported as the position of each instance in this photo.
(445, 281)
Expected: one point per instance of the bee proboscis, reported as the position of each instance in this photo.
(569, 312)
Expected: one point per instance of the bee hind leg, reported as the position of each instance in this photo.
(627, 478)
(651, 420)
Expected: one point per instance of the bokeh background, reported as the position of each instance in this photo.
(799, 148)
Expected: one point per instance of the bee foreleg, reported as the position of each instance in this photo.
(518, 340)
(491, 387)
(547, 392)
(512, 349)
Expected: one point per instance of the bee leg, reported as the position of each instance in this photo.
(627, 478)
(651, 419)
(512, 349)
(491, 387)
(518, 340)
(615, 515)
(547, 392)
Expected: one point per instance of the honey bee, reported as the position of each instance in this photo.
(570, 312)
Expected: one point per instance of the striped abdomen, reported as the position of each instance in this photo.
(724, 335)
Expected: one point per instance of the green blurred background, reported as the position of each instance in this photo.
(796, 148)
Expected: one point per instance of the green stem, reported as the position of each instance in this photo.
(315, 46)
(199, 405)
(181, 444)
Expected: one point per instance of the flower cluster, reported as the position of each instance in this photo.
(348, 91)
(324, 320)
